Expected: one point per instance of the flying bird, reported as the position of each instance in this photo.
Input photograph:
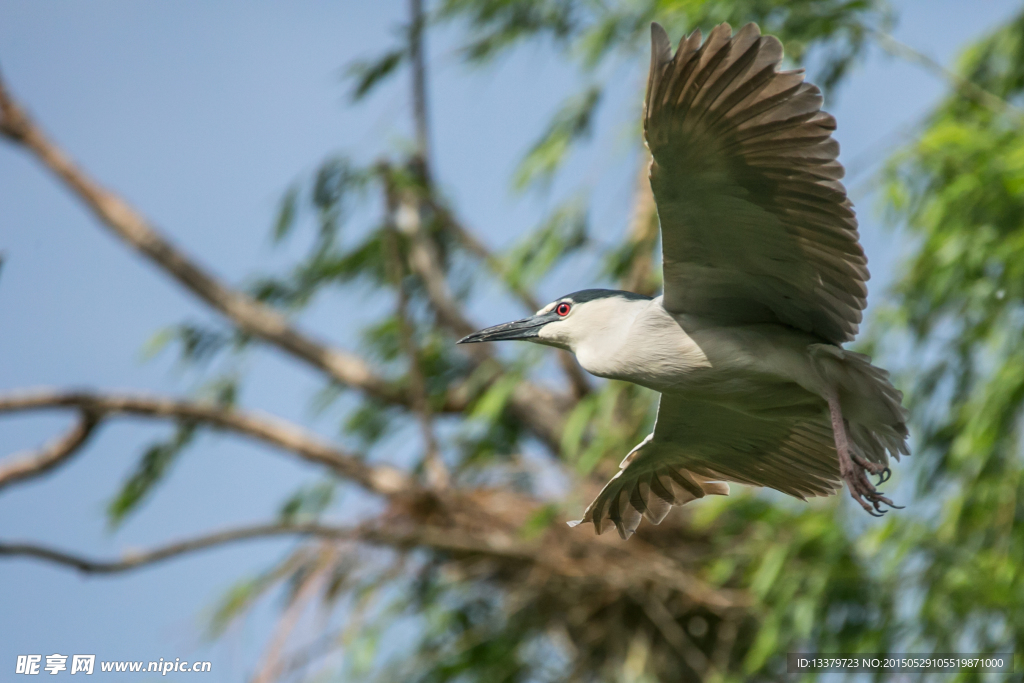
(764, 280)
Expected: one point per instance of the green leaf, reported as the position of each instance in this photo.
(570, 124)
(367, 75)
(286, 213)
(308, 503)
(533, 257)
(150, 470)
(493, 401)
(539, 521)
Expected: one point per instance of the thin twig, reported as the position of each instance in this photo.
(436, 471)
(21, 467)
(899, 49)
(674, 634)
(406, 209)
(573, 371)
(417, 38)
(425, 261)
(262, 427)
(312, 584)
(424, 258)
(137, 560)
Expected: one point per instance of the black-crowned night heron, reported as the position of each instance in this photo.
(764, 280)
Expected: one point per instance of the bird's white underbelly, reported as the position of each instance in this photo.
(750, 368)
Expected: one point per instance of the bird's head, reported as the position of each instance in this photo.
(567, 322)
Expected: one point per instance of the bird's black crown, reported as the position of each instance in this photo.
(592, 294)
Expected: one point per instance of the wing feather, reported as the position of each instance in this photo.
(756, 225)
(696, 447)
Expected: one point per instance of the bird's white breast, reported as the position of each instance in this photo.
(645, 346)
(764, 364)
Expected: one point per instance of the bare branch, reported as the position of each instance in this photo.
(595, 561)
(14, 123)
(406, 208)
(55, 453)
(124, 221)
(441, 539)
(265, 428)
(674, 634)
(482, 252)
(137, 560)
(406, 211)
(540, 408)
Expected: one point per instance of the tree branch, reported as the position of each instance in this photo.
(425, 261)
(540, 408)
(52, 454)
(595, 562)
(124, 221)
(674, 634)
(437, 473)
(137, 560)
(380, 479)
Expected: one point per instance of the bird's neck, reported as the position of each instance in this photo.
(603, 350)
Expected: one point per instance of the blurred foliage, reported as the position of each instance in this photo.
(959, 190)
(594, 31)
(151, 468)
(308, 503)
(367, 75)
(534, 255)
(942, 576)
(596, 35)
(571, 123)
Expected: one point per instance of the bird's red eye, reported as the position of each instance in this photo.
(563, 309)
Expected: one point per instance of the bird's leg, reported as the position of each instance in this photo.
(852, 467)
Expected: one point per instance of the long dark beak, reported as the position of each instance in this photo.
(527, 328)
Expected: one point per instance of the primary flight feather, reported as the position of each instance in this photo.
(764, 280)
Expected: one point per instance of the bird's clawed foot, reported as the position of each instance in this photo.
(881, 471)
(854, 469)
(855, 472)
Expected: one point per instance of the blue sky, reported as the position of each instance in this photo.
(201, 115)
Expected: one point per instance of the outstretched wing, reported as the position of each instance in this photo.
(696, 446)
(756, 226)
